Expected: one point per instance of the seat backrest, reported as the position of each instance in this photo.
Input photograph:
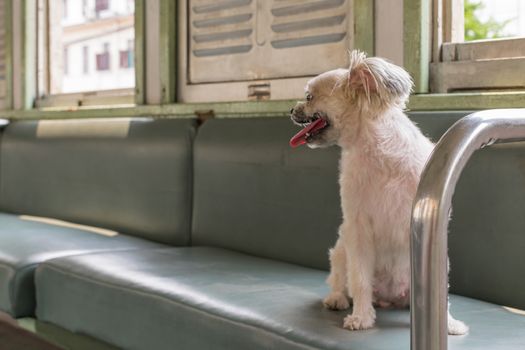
(130, 175)
(255, 194)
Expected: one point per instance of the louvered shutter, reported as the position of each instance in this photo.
(242, 40)
(2, 55)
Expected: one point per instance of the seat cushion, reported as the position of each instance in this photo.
(132, 175)
(210, 298)
(26, 243)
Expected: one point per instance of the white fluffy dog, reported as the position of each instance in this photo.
(383, 153)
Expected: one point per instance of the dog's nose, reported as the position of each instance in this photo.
(291, 111)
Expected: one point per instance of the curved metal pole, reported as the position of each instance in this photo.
(430, 217)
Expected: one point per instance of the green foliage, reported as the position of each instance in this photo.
(475, 29)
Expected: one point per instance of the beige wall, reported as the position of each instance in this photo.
(389, 30)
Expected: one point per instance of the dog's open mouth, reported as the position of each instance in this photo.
(311, 128)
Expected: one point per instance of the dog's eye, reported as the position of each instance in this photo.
(309, 97)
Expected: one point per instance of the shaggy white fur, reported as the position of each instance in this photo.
(383, 154)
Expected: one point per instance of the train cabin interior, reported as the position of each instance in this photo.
(150, 199)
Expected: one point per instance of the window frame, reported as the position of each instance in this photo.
(497, 59)
(161, 99)
(44, 97)
(155, 83)
(361, 25)
(7, 100)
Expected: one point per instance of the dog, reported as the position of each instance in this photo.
(383, 154)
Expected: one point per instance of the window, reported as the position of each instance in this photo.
(66, 60)
(85, 60)
(243, 41)
(490, 19)
(126, 56)
(84, 8)
(103, 59)
(478, 45)
(64, 8)
(80, 35)
(101, 5)
(283, 34)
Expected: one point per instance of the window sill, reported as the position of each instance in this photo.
(276, 108)
(90, 98)
(467, 101)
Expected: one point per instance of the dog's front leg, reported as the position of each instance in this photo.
(337, 280)
(360, 268)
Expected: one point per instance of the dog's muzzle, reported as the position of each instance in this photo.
(312, 126)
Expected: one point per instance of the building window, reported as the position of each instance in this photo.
(66, 60)
(64, 8)
(103, 59)
(478, 45)
(85, 8)
(85, 59)
(91, 44)
(127, 57)
(101, 5)
(131, 5)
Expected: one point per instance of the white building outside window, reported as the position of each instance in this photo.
(94, 34)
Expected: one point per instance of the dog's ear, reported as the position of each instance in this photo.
(359, 75)
(391, 83)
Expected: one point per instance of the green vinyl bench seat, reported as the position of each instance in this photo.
(225, 232)
(131, 176)
(212, 298)
(25, 243)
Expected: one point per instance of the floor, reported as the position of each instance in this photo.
(13, 337)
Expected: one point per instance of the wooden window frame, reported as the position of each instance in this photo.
(477, 66)
(6, 22)
(44, 96)
(361, 22)
(156, 70)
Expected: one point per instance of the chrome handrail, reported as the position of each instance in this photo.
(430, 217)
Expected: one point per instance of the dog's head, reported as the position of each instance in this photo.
(339, 99)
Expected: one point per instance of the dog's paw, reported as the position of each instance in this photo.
(357, 322)
(336, 301)
(456, 327)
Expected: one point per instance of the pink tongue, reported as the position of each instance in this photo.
(300, 138)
